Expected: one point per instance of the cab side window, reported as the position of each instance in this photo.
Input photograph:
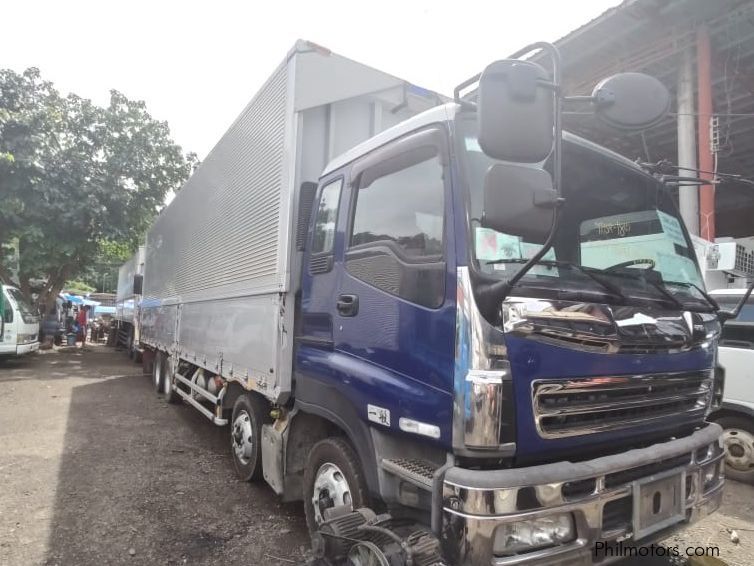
(397, 231)
(326, 217)
(404, 208)
(8, 309)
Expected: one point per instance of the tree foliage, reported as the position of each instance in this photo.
(78, 181)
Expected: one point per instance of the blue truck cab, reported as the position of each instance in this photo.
(570, 414)
(474, 340)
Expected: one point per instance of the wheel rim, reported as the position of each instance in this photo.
(157, 371)
(331, 489)
(739, 449)
(365, 553)
(243, 437)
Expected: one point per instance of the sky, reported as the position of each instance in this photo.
(197, 64)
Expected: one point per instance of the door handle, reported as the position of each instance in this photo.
(347, 305)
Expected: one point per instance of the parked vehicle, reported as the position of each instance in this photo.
(125, 325)
(438, 328)
(737, 413)
(19, 331)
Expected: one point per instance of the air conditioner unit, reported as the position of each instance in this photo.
(730, 257)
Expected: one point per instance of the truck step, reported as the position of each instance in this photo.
(417, 472)
(201, 408)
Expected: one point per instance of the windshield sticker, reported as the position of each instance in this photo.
(617, 228)
(492, 245)
(672, 228)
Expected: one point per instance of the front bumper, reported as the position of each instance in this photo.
(18, 349)
(22, 349)
(602, 495)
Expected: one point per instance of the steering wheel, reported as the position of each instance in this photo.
(650, 263)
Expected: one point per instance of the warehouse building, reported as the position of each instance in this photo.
(703, 51)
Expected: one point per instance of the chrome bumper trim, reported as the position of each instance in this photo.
(476, 502)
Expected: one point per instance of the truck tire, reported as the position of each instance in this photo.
(249, 413)
(332, 477)
(130, 343)
(167, 384)
(738, 437)
(158, 372)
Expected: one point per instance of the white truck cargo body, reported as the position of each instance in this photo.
(221, 261)
(125, 299)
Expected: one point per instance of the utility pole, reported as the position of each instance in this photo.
(688, 197)
(704, 115)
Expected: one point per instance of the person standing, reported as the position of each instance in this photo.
(81, 321)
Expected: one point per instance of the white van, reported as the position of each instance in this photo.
(737, 414)
(20, 332)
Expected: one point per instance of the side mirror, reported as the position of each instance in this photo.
(516, 111)
(726, 315)
(138, 284)
(519, 200)
(631, 101)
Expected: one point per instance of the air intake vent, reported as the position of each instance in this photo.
(572, 407)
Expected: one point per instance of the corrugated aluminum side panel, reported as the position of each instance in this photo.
(158, 324)
(221, 265)
(219, 236)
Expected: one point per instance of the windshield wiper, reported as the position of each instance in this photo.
(591, 272)
(614, 289)
(707, 297)
(664, 292)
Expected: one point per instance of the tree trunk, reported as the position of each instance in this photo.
(52, 288)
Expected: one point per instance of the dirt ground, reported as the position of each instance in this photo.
(96, 469)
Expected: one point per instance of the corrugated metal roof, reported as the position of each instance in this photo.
(649, 36)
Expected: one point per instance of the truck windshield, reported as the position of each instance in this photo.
(23, 307)
(619, 230)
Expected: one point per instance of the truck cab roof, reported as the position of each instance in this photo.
(439, 114)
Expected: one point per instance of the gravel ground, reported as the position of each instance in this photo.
(96, 469)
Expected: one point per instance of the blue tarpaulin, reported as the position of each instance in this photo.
(76, 300)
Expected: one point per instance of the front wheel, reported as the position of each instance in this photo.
(738, 438)
(332, 478)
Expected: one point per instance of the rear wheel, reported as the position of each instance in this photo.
(332, 478)
(738, 437)
(167, 385)
(130, 343)
(249, 413)
(158, 372)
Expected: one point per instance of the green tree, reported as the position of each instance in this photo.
(78, 181)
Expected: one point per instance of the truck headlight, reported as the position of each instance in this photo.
(534, 534)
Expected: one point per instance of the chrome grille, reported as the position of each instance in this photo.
(571, 407)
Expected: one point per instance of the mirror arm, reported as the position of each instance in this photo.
(724, 316)
(674, 180)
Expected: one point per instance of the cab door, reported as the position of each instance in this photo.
(394, 317)
(375, 345)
